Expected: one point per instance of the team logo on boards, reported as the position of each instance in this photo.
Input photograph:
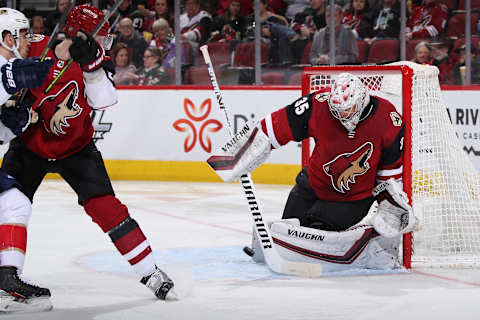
(99, 127)
(196, 116)
(345, 167)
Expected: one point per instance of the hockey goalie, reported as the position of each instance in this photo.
(356, 164)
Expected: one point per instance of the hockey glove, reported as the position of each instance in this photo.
(24, 73)
(16, 118)
(87, 52)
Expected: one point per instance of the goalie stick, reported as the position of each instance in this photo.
(273, 260)
(93, 34)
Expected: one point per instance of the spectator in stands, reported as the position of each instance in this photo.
(152, 73)
(124, 69)
(230, 25)
(459, 70)
(305, 24)
(38, 25)
(195, 24)
(135, 42)
(54, 17)
(165, 41)
(161, 10)
(423, 53)
(443, 61)
(294, 7)
(246, 7)
(354, 14)
(276, 32)
(346, 48)
(316, 12)
(427, 21)
(382, 22)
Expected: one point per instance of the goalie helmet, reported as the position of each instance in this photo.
(348, 97)
(85, 18)
(13, 21)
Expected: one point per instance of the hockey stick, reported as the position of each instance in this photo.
(272, 258)
(58, 27)
(93, 34)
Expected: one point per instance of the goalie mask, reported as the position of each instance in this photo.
(13, 21)
(348, 97)
(85, 18)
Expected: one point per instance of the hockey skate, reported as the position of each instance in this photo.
(19, 296)
(160, 284)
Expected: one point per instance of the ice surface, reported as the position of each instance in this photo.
(197, 231)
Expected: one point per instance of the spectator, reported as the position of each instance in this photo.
(54, 17)
(195, 24)
(276, 32)
(346, 48)
(305, 24)
(161, 10)
(382, 22)
(124, 69)
(230, 25)
(294, 7)
(316, 12)
(423, 54)
(152, 73)
(246, 7)
(459, 70)
(427, 21)
(354, 14)
(135, 42)
(165, 41)
(38, 25)
(443, 61)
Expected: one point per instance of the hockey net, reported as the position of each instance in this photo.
(439, 178)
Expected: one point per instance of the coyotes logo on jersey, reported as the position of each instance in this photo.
(66, 107)
(343, 169)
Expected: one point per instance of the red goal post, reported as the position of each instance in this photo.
(446, 200)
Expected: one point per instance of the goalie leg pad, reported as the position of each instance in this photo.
(357, 248)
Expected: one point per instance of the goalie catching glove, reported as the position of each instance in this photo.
(241, 154)
(395, 216)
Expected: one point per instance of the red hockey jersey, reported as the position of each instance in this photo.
(65, 126)
(342, 168)
(428, 21)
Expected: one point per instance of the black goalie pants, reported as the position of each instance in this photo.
(312, 212)
(84, 171)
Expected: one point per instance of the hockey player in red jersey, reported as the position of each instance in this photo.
(61, 141)
(357, 159)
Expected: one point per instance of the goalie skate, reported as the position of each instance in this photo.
(20, 296)
(160, 284)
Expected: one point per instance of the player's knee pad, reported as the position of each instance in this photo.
(356, 248)
(15, 207)
(106, 211)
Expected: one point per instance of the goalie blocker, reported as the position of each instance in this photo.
(242, 153)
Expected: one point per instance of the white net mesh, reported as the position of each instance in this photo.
(445, 185)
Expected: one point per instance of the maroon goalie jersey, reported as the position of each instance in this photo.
(342, 168)
(65, 126)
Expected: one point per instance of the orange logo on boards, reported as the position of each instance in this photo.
(197, 115)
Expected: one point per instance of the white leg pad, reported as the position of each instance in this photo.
(357, 248)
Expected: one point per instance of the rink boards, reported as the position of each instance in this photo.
(167, 133)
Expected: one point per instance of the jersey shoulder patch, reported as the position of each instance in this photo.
(396, 119)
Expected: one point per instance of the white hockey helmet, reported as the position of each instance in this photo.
(348, 97)
(13, 21)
